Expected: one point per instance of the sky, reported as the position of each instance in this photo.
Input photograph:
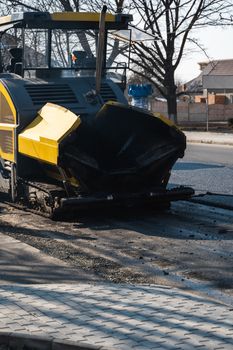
(218, 43)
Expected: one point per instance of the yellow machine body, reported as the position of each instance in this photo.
(41, 138)
(65, 17)
(8, 124)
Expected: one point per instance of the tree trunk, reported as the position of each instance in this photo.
(171, 95)
(172, 104)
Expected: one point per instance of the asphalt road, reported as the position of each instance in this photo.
(206, 168)
(210, 154)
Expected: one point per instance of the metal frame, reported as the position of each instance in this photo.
(44, 20)
(49, 47)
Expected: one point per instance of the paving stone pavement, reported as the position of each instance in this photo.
(117, 316)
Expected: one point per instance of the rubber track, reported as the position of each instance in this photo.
(27, 209)
(49, 189)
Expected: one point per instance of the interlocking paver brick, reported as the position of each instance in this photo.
(120, 316)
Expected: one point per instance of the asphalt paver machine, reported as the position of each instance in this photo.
(68, 137)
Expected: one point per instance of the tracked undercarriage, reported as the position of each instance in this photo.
(54, 201)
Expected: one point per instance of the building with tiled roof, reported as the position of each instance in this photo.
(216, 78)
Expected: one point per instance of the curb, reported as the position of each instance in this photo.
(208, 137)
(19, 341)
(211, 142)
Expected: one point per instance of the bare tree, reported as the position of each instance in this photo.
(171, 23)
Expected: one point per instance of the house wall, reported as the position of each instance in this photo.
(196, 112)
(200, 99)
(213, 99)
(216, 99)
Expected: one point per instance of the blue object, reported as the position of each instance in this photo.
(140, 93)
(140, 90)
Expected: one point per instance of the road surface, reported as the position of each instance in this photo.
(206, 168)
(210, 154)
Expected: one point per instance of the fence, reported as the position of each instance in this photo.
(196, 112)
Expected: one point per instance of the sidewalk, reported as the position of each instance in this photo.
(116, 316)
(47, 315)
(219, 138)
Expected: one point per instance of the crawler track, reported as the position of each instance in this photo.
(41, 198)
(27, 209)
(52, 201)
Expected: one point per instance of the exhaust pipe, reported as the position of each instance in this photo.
(100, 49)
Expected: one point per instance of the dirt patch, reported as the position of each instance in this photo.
(157, 248)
